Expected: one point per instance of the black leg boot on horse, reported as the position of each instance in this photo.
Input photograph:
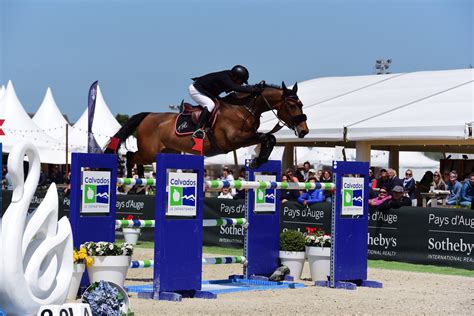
(267, 142)
(203, 118)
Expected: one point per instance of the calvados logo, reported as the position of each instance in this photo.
(353, 197)
(182, 196)
(98, 194)
(265, 196)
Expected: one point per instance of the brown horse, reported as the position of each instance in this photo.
(235, 127)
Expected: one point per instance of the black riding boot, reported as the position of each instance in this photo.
(203, 118)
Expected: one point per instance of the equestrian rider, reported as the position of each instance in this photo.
(208, 87)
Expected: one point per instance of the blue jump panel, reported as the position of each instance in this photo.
(262, 241)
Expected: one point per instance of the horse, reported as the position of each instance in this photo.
(235, 127)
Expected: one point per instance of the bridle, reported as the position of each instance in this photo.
(252, 110)
(294, 120)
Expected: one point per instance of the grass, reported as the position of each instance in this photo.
(401, 266)
(378, 264)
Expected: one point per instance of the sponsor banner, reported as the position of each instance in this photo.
(265, 198)
(352, 196)
(229, 236)
(295, 216)
(35, 201)
(95, 192)
(437, 236)
(182, 194)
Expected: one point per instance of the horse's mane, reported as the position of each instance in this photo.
(274, 86)
(238, 98)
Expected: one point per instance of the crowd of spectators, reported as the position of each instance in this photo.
(387, 190)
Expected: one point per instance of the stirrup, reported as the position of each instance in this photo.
(199, 133)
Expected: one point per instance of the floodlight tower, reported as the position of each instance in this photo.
(381, 65)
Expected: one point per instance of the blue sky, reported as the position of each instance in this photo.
(143, 52)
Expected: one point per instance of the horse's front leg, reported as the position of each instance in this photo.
(267, 142)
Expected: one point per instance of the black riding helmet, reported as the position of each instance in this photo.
(240, 72)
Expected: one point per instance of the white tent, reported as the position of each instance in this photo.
(18, 127)
(104, 126)
(2, 91)
(49, 118)
(395, 106)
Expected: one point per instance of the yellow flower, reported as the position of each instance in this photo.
(89, 261)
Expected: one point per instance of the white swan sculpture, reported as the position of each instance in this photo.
(35, 249)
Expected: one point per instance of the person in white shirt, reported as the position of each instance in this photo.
(227, 175)
(225, 194)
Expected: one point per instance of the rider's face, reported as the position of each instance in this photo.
(237, 80)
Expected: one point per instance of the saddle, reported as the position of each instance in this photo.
(186, 122)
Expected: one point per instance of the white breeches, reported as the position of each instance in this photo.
(200, 98)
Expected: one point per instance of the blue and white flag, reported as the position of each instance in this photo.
(92, 146)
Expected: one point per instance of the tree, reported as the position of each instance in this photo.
(122, 118)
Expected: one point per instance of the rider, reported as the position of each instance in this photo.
(208, 87)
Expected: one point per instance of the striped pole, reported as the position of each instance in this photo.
(139, 223)
(136, 181)
(139, 264)
(239, 185)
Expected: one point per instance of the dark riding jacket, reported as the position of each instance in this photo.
(213, 84)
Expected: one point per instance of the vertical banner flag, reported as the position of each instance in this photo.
(92, 146)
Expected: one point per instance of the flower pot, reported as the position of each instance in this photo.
(109, 268)
(293, 260)
(78, 270)
(319, 259)
(131, 234)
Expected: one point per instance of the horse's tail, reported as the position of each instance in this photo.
(124, 132)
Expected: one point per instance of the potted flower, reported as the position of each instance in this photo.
(81, 260)
(111, 261)
(318, 252)
(292, 254)
(131, 234)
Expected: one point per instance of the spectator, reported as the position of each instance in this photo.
(446, 176)
(438, 183)
(424, 185)
(454, 187)
(382, 180)
(327, 178)
(288, 195)
(319, 175)
(56, 175)
(372, 179)
(291, 175)
(227, 175)
(306, 168)
(225, 194)
(409, 186)
(311, 173)
(382, 197)
(311, 196)
(398, 199)
(393, 179)
(467, 191)
(206, 175)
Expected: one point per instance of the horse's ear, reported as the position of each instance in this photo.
(283, 86)
(295, 88)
